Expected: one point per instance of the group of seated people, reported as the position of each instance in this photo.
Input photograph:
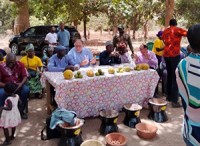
(26, 73)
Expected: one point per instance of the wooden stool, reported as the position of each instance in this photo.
(157, 110)
(71, 135)
(132, 116)
(108, 121)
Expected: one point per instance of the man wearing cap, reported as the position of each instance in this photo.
(15, 72)
(121, 41)
(60, 61)
(81, 56)
(107, 57)
(172, 38)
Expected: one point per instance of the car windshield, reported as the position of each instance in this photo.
(30, 32)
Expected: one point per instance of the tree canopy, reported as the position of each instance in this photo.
(134, 14)
(189, 10)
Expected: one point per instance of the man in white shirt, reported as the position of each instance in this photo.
(51, 38)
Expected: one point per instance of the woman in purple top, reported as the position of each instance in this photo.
(146, 56)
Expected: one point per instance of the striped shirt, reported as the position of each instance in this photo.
(188, 79)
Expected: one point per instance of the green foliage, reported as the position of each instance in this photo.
(97, 22)
(53, 11)
(7, 14)
(50, 11)
(35, 21)
(134, 12)
(189, 10)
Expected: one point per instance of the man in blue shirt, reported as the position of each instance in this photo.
(80, 56)
(60, 61)
(63, 36)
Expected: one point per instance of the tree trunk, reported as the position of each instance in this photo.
(22, 18)
(84, 25)
(133, 36)
(134, 26)
(145, 31)
(169, 11)
(114, 30)
(75, 23)
(129, 31)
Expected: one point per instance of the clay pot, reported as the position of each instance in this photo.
(146, 131)
(116, 139)
(71, 131)
(92, 142)
(79, 123)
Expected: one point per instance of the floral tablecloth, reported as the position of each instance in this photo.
(89, 95)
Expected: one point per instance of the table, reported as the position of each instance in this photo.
(89, 95)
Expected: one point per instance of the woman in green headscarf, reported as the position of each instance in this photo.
(34, 67)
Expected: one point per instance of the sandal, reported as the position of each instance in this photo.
(6, 143)
(39, 96)
(12, 137)
(176, 105)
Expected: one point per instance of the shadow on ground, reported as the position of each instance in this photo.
(28, 133)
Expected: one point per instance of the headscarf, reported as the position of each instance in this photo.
(29, 47)
(159, 33)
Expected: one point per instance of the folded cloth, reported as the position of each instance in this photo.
(60, 116)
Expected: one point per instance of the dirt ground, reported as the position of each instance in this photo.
(28, 132)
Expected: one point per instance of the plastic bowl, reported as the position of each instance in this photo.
(79, 123)
(146, 131)
(92, 142)
(116, 139)
(157, 101)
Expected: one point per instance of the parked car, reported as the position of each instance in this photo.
(36, 35)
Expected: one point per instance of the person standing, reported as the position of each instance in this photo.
(158, 47)
(172, 38)
(188, 79)
(63, 37)
(120, 43)
(51, 38)
(10, 116)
